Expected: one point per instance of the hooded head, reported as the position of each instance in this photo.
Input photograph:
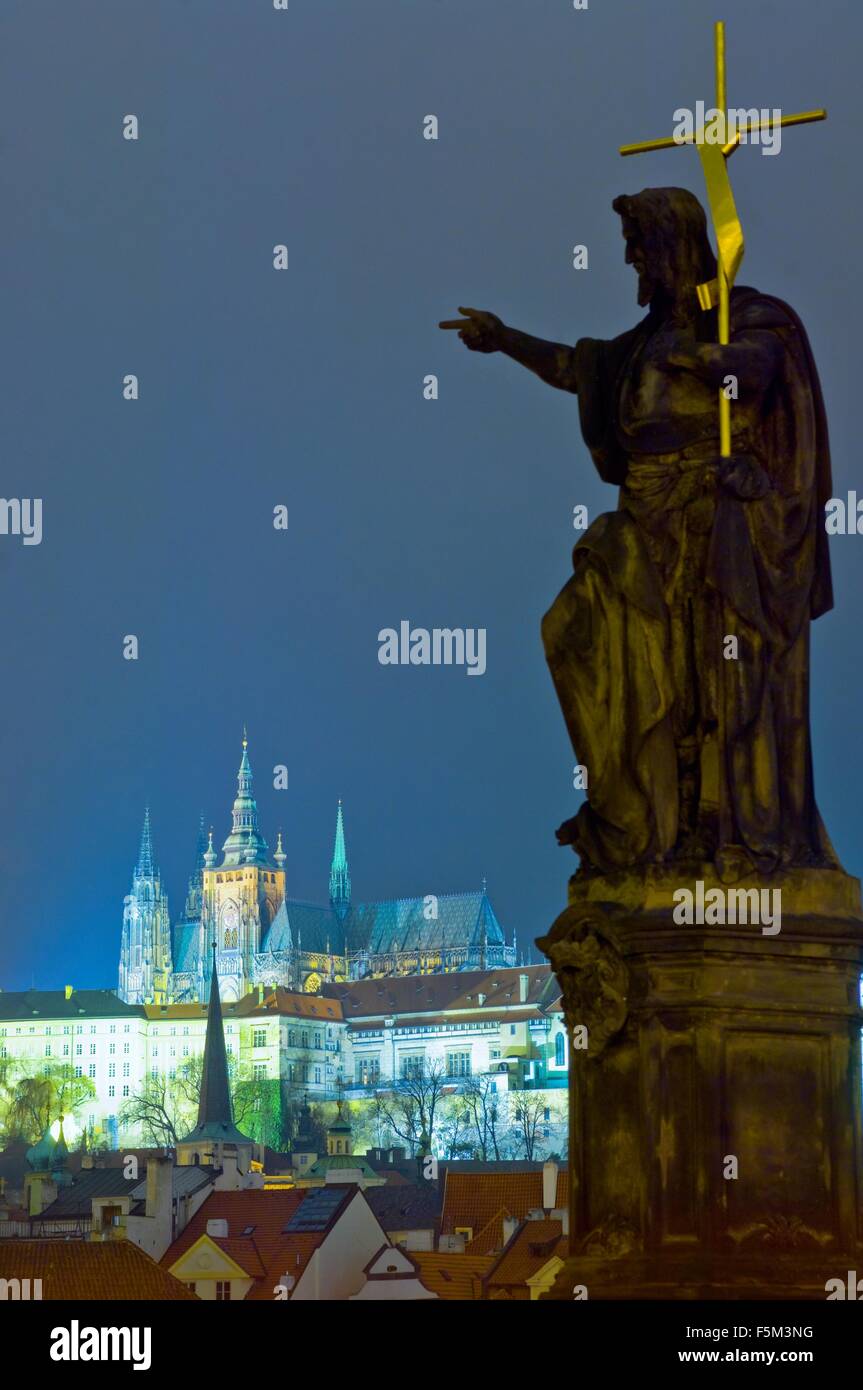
(665, 230)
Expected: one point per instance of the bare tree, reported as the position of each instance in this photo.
(532, 1117)
(410, 1107)
(157, 1110)
(454, 1131)
(482, 1105)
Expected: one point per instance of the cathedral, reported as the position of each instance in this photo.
(238, 901)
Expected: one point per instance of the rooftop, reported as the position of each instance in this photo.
(74, 1271)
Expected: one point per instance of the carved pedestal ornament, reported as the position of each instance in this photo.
(593, 978)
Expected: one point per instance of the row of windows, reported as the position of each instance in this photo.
(301, 1071)
(64, 1029)
(244, 877)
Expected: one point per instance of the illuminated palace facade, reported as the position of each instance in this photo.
(238, 904)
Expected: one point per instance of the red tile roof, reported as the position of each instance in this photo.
(268, 1251)
(457, 990)
(80, 1269)
(531, 1248)
(452, 1276)
(472, 1199)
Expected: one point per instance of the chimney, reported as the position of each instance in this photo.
(68, 991)
(159, 1187)
(260, 996)
(87, 1161)
(549, 1185)
(523, 983)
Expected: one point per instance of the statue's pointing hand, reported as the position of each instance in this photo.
(480, 330)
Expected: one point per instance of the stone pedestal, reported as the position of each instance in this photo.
(712, 1050)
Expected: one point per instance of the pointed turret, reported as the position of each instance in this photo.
(280, 857)
(145, 854)
(340, 878)
(194, 896)
(210, 856)
(245, 844)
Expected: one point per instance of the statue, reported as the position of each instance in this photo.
(680, 646)
(679, 649)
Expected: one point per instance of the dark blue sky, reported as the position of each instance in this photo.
(305, 388)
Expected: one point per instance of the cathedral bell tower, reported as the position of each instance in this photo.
(242, 894)
(145, 953)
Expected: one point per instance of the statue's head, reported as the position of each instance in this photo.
(665, 230)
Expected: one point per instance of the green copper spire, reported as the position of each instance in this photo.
(340, 878)
(245, 844)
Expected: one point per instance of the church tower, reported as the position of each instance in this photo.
(145, 953)
(340, 878)
(242, 895)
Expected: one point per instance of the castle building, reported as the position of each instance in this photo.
(238, 903)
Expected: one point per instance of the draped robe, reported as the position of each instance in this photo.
(692, 752)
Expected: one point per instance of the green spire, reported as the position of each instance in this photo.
(245, 844)
(340, 878)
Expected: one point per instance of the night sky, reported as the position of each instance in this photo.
(304, 388)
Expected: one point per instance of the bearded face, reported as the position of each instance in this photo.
(638, 257)
(665, 231)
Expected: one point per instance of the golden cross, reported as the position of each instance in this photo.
(723, 213)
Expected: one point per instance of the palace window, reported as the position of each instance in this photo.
(259, 1071)
(111, 1090)
(318, 1075)
(223, 1290)
(458, 1064)
(368, 1071)
(292, 1038)
(125, 1090)
(47, 1049)
(78, 1049)
(411, 1065)
(304, 1038)
(259, 1037)
(560, 1050)
(112, 1068)
(91, 1070)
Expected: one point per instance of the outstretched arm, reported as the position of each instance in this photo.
(482, 331)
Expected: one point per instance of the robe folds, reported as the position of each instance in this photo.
(689, 739)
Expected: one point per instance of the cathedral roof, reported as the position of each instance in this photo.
(306, 927)
(185, 949)
(403, 924)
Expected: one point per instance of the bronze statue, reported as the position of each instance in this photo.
(680, 646)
